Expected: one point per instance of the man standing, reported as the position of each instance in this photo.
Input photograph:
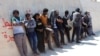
(76, 25)
(90, 28)
(19, 33)
(66, 26)
(53, 18)
(44, 19)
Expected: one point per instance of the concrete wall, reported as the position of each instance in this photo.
(94, 8)
(7, 45)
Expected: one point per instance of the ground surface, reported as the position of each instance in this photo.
(89, 47)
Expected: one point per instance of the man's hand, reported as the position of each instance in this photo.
(49, 26)
(40, 30)
(59, 20)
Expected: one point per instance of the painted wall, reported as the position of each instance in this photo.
(7, 44)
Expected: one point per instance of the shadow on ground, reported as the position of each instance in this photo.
(85, 41)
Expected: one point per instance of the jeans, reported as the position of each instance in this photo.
(33, 40)
(56, 37)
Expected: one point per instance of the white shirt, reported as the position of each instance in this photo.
(17, 29)
(74, 16)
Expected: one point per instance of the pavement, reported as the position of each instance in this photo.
(88, 47)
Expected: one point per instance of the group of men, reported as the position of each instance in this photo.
(39, 28)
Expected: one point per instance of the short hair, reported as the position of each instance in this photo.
(86, 13)
(36, 14)
(78, 9)
(15, 11)
(45, 10)
(27, 15)
(66, 12)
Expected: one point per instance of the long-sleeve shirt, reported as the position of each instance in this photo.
(30, 25)
(18, 28)
(53, 20)
(65, 19)
(74, 16)
(44, 19)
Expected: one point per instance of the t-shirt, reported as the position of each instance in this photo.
(17, 29)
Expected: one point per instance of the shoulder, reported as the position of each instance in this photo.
(64, 16)
(13, 18)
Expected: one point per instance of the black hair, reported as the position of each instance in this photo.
(27, 15)
(36, 14)
(78, 9)
(15, 11)
(86, 13)
(45, 10)
(73, 12)
(66, 12)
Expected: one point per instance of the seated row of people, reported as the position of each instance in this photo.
(39, 29)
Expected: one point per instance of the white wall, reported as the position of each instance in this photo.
(94, 8)
(7, 6)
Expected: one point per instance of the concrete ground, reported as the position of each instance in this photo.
(89, 47)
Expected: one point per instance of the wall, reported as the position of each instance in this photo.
(7, 44)
(94, 8)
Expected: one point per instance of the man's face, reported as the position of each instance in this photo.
(57, 13)
(45, 13)
(37, 17)
(28, 17)
(16, 15)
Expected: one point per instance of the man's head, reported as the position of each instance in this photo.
(28, 16)
(86, 13)
(78, 10)
(16, 13)
(66, 12)
(56, 13)
(36, 16)
(45, 11)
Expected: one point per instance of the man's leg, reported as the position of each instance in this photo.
(78, 30)
(34, 39)
(24, 45)
(56, 37)
(48, 38)
(62, 36)
(67, 34)
(41, 44)
(18, 40)
(73, 34)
